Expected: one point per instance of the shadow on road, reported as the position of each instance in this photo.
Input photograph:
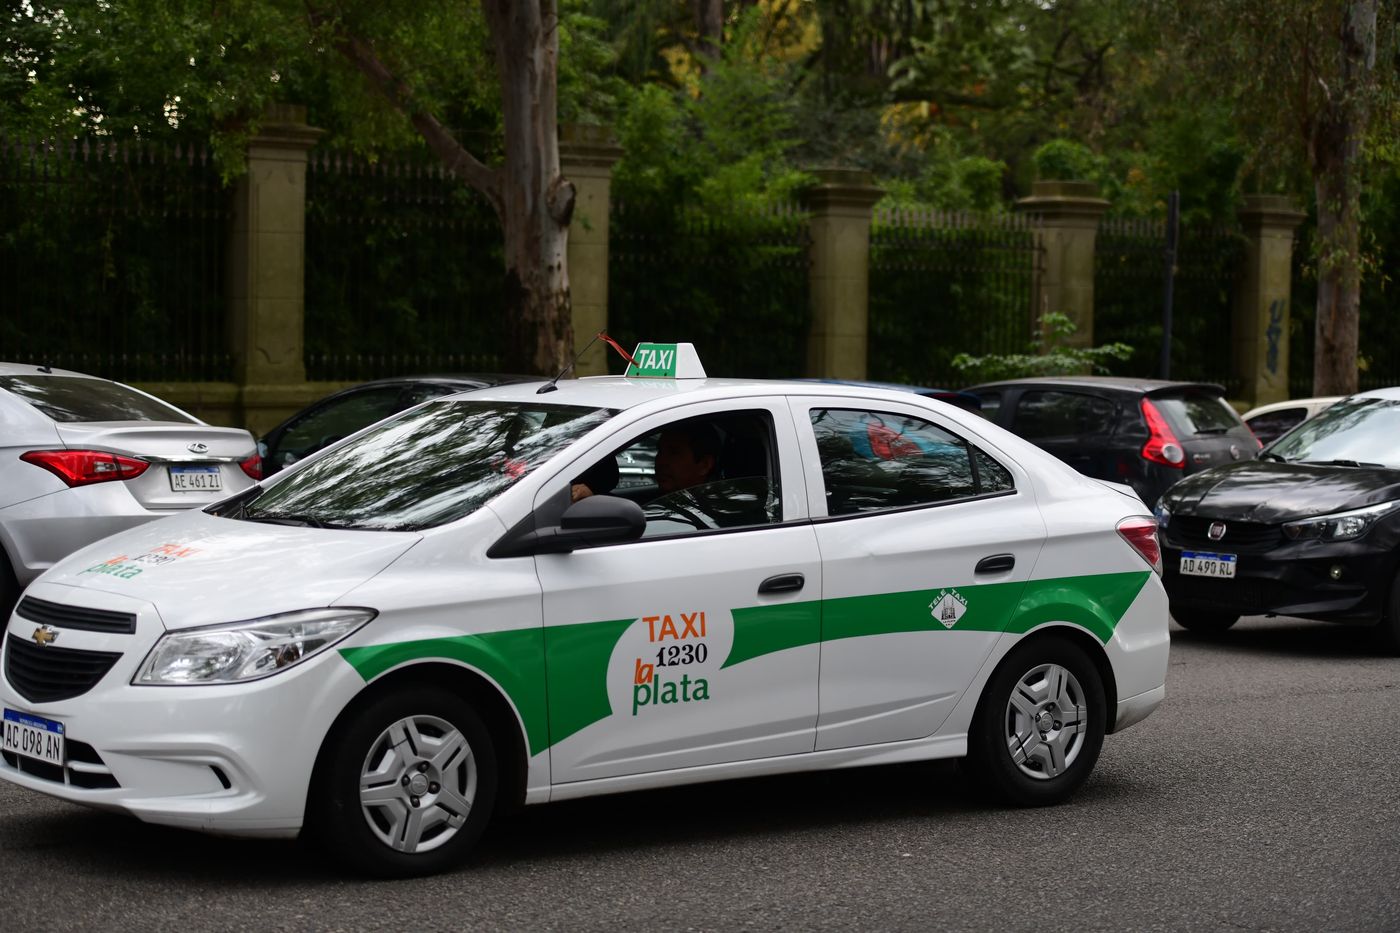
(1287, 637)
(110, 846)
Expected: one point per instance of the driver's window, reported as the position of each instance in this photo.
(697, 474)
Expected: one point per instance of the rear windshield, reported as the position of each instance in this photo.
(1355, 431)
(428, 466)
(79, 398)
(1198, 414)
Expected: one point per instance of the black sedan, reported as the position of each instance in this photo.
(342, 413)
(1310, 529)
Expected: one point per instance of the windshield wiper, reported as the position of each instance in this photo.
(1266, 455)
(1200, 431)
(1349, 463)
(283, 518)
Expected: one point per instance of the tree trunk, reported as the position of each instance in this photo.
(536, 202)
(709, 26)
(1335, 154)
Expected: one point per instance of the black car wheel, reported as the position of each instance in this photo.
(1203, 622)
(1040, 723)
(409, 785)
(1388, 629)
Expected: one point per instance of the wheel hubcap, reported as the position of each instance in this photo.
(417, 784)
(1046, 721)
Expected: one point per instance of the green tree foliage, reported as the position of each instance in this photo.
(1049, 354)
(1316, 84)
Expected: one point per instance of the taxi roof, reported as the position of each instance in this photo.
(622, 392)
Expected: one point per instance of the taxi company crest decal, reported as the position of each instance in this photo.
(948, 607)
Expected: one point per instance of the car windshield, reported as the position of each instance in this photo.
(1356, 431)
(426, 467)
(80, 398)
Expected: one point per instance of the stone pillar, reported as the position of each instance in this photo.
(840, 204)
(1069, 213)
(265, 263)
(587, 155)
(1263, 298)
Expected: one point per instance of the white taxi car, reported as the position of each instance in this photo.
(449, 612)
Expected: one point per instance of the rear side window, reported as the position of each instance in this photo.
(1198, 414)
(991, 404)
(1045, 413)
(875, 460)
(1272, 425)
(72, 399)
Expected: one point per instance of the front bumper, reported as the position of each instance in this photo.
(234, 759)
(1294, 578)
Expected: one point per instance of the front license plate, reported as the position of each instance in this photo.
(196, 479)
(34, 737)
(1207, 564)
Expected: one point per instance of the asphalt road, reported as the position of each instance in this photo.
(1261, 796)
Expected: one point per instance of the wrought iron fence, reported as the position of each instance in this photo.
(404, 272)
(1129, 282)
(112, 258)
(944, 283)
(735, 285)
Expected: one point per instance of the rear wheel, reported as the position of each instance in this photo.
(1039, 726)
(1204, 622)
(409, 785)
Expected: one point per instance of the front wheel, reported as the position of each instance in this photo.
(409, 784)
(1387, 631)
(1204, 622)
(1039, 726)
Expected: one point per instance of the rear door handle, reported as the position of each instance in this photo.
(997, 563)
(783, 583)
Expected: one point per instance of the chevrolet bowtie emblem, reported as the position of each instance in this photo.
(43, 635)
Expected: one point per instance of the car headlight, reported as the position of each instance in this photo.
(1162, 514)
(1341, 526)
(225, 654)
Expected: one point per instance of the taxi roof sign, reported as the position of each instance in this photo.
(666, 361)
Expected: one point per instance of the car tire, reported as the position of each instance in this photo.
(1204, 622)
(9, 589)
(1023, 747)
(1387, 631)
(408, 785)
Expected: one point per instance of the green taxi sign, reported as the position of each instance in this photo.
(665, 361)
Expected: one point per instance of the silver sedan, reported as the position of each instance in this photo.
(82, 458)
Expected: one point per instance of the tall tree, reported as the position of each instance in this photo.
(434, 69)
(1305, 77)
(531, 197)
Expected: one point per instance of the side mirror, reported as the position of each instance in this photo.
(591, 521)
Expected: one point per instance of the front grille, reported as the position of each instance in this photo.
(1191, 531)
(43, 675)
(76, 617)
(84, 768)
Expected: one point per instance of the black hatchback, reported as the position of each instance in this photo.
(1148, 433)
(1310, 529)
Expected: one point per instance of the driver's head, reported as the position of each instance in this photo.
(686, 455)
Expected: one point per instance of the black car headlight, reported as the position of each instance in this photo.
(1340, 526)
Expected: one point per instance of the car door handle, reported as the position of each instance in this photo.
(997, 563)
(783, 583)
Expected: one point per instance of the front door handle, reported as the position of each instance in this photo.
(997, 563)
(783, 583)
